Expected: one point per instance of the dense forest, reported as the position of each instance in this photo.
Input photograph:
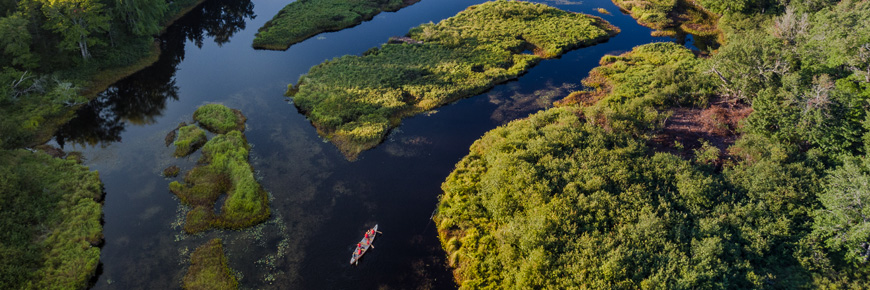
(607, 191)
(55, 56)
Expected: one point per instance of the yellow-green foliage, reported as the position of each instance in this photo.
(209, 269)
(190, 138)
(650, 12)
(225, 169)
(673, 16)
(665, 73)
(219, 119)
(635, 87)
(50, 214)
(302, 19)
(355, 100)
(553, 202)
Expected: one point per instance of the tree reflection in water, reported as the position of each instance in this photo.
(141, 97)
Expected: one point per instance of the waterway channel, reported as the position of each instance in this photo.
(321, 202)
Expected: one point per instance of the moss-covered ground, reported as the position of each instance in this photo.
(209, 269)
(50, 210)
(219, 119)
(223, 169)
(302, 19)
(355, 100)
(190, 138)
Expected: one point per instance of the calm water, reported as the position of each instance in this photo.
(321, 202)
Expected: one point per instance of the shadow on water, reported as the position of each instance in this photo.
(141, 97)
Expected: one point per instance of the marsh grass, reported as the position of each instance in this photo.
(171, 171)
(209, 269)
(50, 211)
(634, 91)
(302, 19)
(219, 119)
(355, 100)
(224, 169)
(676, 17)
(190, 138)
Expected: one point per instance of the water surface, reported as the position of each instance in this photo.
(321, 202)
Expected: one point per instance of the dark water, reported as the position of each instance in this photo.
(321, 202)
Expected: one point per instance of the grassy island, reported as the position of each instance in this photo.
(672, 17)
(50, 211)
(209, 269)
(190, 138)
(224, 169)
(302, 19)
(219, 119)
(355, 100)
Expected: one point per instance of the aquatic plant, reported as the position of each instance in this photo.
(50, 220)
(209, 269)
(171, 171)
(302, 19)
(224, 169)
(219, 119)
(355, 100)
(190, 138)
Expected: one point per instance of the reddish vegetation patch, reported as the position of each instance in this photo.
(716, 124)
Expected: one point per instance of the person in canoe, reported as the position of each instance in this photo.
(364, 244)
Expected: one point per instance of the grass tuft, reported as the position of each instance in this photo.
(209, 269)
(190, 138)
(171, 171)
(219, 119)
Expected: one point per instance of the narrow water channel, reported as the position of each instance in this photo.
(321, 202)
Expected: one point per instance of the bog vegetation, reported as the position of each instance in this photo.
(355, 100)
(219, 119)
(675, 18)
(208, 268)
(302, 19)
(50, 210)
(190, 138)
(579, 196)
(223, 169)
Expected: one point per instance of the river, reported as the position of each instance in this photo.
(321, 202)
